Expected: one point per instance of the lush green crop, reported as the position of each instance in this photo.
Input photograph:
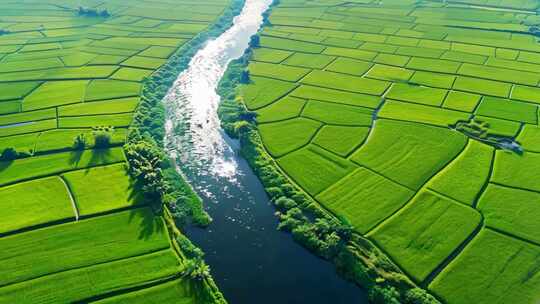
(299, 132)
(27, 116)
(285, 108)
(63, 139)
(516, 170)
(35, 202)
(89, 121)
(430, 79)
(312, 61)
(53, 94)
(461, 101)
(177, 291)
(270, 55)
(464, 178)
(108, 89)
(493, 267)
(424, 233)
(122, 105)
(263, 91)
(340, 139)
(508, 109)
(529, 138)
(417, 94)
(131, 74)
(349, 66)
(482, 86)
(277, 71)
(345, 82)
(353, 99)
(337, 114)
(390, 73)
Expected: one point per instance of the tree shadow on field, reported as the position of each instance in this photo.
(150, 223)
(75, 158)
(5, 164)
(98, 157)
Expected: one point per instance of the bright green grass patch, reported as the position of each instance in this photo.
(516, 170)
(277, 71)
(512, 210)
(85, 72)
(340, 139)
(122, 105)
(394, 109)
(345, 82)
(131, 74)
(39, 64)
(95, 280)
(27, 116)
(285, 136)
(290, 45)
(80, 244)
(330, 95)
(109, 89)
(379, 47)
(409, 153)
(24, 143)
(103, 188)
(499, 74)
(8, 107)
(482, 86)
(419, 52)
(464, 177)
(338, 114)
(158, 52)
(529, 138)
(365, 198)
(285, 108)
(315, 169)
(347, 43)
(55, 93)
(29, 127)
(350, 53)
(461, 101)
(464, 57)
(390, 73)
(144, 62)
(33, 203)
(390, 59)
(107, 59)
(525, 93)
(261, 91)
(178, 291)
(312, 61)
(500, 126)
(433, 65)
(349, 66)
(432, 79)
(78, 59)
(421, 235)
(512, 64)
(492, 268)
(63, 139)
(39, 166)
(270, 55)
(16, 90)
(508, 109)
(114, 120)
(417, 94)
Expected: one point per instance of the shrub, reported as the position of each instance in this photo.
(285, 203)
(384, 295)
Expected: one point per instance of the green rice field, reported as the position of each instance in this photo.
(417, 122)
(76, 227)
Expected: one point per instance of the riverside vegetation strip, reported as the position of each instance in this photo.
(77, 83)
(358, 105)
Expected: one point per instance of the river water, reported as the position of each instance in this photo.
(251, 261)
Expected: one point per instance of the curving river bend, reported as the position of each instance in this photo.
(251, 261)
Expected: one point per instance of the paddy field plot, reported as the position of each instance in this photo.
(388, 83)
(74, 217)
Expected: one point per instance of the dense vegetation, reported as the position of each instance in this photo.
(409, 125)
(81, 168)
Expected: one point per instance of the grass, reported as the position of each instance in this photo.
(264, 91)
(464, 178)
(407, 152)
(496, 268)
(315, 169)
(511, 210)
(285, 108)
(39, 166)
(340, 139)
(95, 280)
(365, 190)
(516, 170)
(277, 71)
(32, 203)
(529, 138)
(80, 244)
(103, 188)
(416, 94)
(337, 114)
(421, 235)
(299, 133)
(508, 109)
(345, 82)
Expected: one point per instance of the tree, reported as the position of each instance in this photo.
(255, 41)
(244, 77)
(79, 143)
(9, 154)
(196, 269)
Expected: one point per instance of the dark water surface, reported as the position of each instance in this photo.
(251, 261)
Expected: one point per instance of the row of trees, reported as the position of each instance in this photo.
(93, 12)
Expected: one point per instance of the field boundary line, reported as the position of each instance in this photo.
(71, 197)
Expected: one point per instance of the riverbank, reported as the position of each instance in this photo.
(313, 226)
(157, 174)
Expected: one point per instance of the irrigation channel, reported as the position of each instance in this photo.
(251, 261)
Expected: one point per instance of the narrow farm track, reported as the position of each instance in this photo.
(72, 199)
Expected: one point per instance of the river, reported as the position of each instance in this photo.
(251, 261)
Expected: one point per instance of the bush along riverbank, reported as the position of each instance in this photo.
(156, 174)
(328, 236)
